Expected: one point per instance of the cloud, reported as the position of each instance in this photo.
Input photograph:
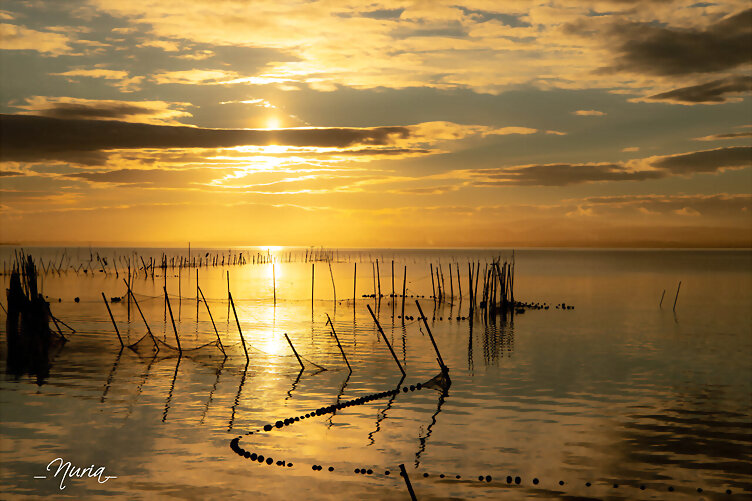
(161, 178)
(482, 16)
(123, 81)
(733, 157)
(718, 91)
(721, 205)
(165, 45)
(657, 167)
(560, 174)
(721, 137)
(589, 113)
(149, 112)
(21, 38)
(630, 149)
(196, 77)
(655, 49)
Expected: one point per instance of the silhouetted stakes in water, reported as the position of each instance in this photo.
(355, 281)
(430, 335)
(174, 329)
(404, 292)
(331, 324)
(378, 277)
(221, 347)
(403, 472)
(232, 303)
(148, 330)
(677, 294)
(104, 298)
(302, 367)
(378, 326)
(660, 304)
(433, 288)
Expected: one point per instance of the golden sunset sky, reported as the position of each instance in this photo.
(387, 124)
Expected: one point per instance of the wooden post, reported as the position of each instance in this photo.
(404, 293)
(355, 279)
(334, 288)
(378, 326)
(232, 303)
(428, 329)
(677, 295)
(174, 329)
(403, 472)
(296, 353)
(331, 324)
(104, 298)
(392, 278)
(451, 284)
(433, 288)
(221, 347)
(660, 305)
(274, 281)
(378, 276)
(313, 276)
(459, 283)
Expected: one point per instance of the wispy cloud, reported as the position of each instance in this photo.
(148, 112)
(715, 92)
(16, 37)
(589, 113)
(655, 167)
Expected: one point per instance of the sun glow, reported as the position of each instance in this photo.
(272, 123)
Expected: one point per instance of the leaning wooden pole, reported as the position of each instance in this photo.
(403, 472)
(221, 347)
(378, 326)
(677, 295)
(142, 315)
(174, 329)
(302, 367)
(331, 324)
(232, 303)
(104, 298)
(428, 329)
(404, 293)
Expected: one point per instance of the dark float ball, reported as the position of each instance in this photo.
(267, 427)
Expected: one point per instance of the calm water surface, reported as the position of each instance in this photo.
(616, 391)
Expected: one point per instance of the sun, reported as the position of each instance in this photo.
(272, 123)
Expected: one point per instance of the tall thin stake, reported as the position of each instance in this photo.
(331, 324)
(407, 482)
(232, 303)
(295, 351)
(221, 347)
(428, 329)
(677, 295)
(104, 298)
(174, 329)
(378, 326)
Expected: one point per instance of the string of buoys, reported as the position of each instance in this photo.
(510, 480)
